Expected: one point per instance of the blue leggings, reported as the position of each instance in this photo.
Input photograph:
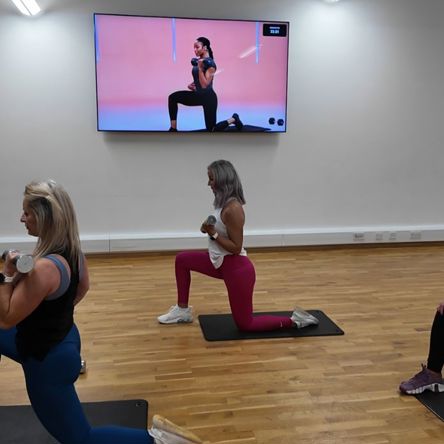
(50, 386)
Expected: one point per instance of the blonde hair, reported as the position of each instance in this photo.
(228, 185)
(56, 220)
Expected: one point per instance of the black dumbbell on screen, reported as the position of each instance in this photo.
(23, 262)
(205, 62)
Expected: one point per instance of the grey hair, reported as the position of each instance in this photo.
(227, 184)
(56, 220)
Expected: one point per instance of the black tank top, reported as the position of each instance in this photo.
(49, 323)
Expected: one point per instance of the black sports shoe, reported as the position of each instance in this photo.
(174, 130)
(237, 122)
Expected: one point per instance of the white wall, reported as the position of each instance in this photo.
(363, 152)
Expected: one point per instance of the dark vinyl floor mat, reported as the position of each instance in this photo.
(19, 424)
(433, 401)
(221, 327)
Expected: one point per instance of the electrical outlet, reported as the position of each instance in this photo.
(415, 235)
(379, 237)
(392, 236)
(358, 237)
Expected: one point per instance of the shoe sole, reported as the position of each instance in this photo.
(180, 321)
(435, 387)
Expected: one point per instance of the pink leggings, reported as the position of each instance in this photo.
(239, 277)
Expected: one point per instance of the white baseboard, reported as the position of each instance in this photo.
(114, 243)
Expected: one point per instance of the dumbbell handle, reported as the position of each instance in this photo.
(23, 262)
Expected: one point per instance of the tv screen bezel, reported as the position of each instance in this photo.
(261, 21)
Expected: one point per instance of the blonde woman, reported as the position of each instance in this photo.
(37, 327)
(227, 259)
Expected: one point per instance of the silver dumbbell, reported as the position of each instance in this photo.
(23, 262)
(210, 220)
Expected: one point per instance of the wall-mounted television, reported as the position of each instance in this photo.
(190, 74)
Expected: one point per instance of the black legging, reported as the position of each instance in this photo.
(207, 99)
(435, 360)
(221, 126)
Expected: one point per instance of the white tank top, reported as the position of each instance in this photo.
(217, 253)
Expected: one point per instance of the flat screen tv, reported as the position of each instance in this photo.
(189, 74)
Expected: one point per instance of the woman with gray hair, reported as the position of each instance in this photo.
(227, 259)
(37, 327)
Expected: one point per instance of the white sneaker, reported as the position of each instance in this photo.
(301, 318)
(176, 315)
(166, 432)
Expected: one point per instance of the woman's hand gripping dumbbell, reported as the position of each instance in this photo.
(208, 227)
(23, 262)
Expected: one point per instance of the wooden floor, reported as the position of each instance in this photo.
(323, 390)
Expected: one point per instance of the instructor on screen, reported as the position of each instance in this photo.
(200, 92)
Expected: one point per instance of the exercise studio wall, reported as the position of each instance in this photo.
(360, 162)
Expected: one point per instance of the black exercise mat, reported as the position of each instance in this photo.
(233, 129)
(433, 401)
(221, 327)
(19, 424)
